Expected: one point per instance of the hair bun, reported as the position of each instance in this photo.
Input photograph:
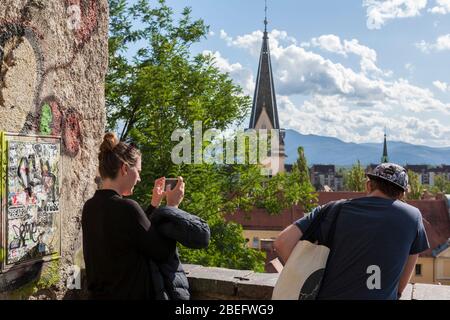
(109, 142)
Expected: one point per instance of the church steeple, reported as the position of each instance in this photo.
(385, 158)
(264, 110)
(265, 18)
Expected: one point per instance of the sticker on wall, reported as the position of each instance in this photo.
(30, 180)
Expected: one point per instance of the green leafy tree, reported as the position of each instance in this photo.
(415, 186)
(441, 184)
(163, 87)
(298, 189)
(248, 188)
(207, 196)
(301, 165)
(355, 179)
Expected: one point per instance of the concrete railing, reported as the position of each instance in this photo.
(208, 283)
(227, 284)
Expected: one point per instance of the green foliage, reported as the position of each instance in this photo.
(415, 187)
(213, 191)
(441, 184)
(206, 196)
(355, 179)
(247, 188)
(164, 88)
(298, 189)
(301, 165)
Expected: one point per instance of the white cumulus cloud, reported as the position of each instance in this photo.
(442, 7)
(380, 11)
(252, 41)
(333, 43)
(329, 42)
(224, 36)
(442, 43)
(332, 116)
(441, 85)
(298, 71)
(353, 105)
(243, 76)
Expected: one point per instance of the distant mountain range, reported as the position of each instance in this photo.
(326, 150)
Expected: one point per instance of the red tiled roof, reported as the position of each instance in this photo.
(259, 219)
(436, 221)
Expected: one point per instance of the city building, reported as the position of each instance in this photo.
(325, 178)
(427, 174)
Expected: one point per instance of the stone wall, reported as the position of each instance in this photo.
(53, 60)
(226, 284)
(208, 283)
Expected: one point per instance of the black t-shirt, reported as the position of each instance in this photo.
(118, 240)
(370, 231)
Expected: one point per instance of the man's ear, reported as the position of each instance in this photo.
(368, 186)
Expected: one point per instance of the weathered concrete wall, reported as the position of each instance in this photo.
(226, 284)
(53, 60)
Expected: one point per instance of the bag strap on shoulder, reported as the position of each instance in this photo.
(332, 208)
(335, 211)
(315, 223)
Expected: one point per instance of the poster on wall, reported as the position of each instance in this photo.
(30, 193)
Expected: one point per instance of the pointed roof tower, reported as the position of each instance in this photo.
(264, 100)
(385, 158)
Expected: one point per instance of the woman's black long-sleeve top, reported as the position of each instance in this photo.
(118, 240)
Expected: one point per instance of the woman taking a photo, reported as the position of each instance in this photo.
(120, 242)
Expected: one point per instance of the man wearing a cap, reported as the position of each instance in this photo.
(376, 232)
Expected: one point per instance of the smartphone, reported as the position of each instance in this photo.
(172, 182)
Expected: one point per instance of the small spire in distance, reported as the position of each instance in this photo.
(385, 157)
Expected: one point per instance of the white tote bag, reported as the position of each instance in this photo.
(302, 275)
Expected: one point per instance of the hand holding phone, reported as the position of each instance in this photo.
(170, 183)
(174, 194)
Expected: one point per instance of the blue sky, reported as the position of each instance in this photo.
(345, 68)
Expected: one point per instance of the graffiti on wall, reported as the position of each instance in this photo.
(20, 56)
(54, 120)
(21, 51)
(85, 18)
(32, 198)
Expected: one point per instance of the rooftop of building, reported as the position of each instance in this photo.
(323, 168)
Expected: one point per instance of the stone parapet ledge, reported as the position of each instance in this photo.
(208, 283)
(226, 284)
